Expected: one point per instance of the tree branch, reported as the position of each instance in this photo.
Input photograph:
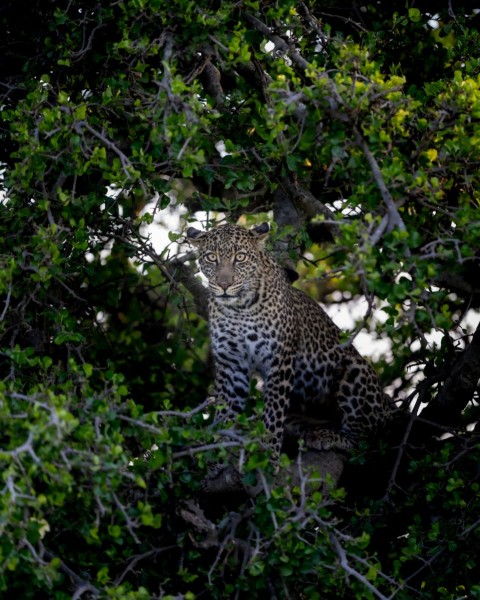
(349, 570)
(310, 206)
(459, 387)
(334, 99)
(175, 271)
(82, 586)
(456, 283)
(336, 111)
(394, 218)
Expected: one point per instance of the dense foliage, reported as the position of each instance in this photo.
(356, 130)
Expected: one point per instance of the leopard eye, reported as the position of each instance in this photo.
(240, 257)
(210, 257)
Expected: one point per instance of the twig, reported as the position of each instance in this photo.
(335, 101)
(88, 45)
(394, 218)
(205, 448)
(139, 557)
(469, 529)
(347, 20)
(141, 424)
(266, 489)
(370, 306)
(344, 563)
(7, 301)
(126, 163)
(83, 586)
(322, 36)
(185, 275)
(422, 387)
(426, 563)
(185, 414)
(130, 524)
(25, 447)
(379, 231)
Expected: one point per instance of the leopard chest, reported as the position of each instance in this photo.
(252, 339)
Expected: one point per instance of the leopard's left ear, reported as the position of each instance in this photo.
(260, 233)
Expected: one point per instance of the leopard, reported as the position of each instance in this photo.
(261, 325)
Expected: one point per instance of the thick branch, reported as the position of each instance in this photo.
(310, 206)
(459, 387)
(177, 271)
(457, 283)
(280, 44)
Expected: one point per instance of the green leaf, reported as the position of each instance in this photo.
(414, 15)
(88, 369)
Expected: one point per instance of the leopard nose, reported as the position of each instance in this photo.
(224, 281)
(224, 277)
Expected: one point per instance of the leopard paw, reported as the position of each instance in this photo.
(325, 439)
(222, 478)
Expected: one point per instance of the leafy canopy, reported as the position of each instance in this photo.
(357, 130)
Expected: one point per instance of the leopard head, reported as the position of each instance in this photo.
(229, 257)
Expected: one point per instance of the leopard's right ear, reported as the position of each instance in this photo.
(194, 236)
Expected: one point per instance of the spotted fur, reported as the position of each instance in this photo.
(260, 324)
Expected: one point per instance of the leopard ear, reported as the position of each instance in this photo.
(262, 228)
(260, 233)
(194, 236)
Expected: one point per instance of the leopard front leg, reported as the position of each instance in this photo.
(231, 391)
(232, 381)
(278, 387)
